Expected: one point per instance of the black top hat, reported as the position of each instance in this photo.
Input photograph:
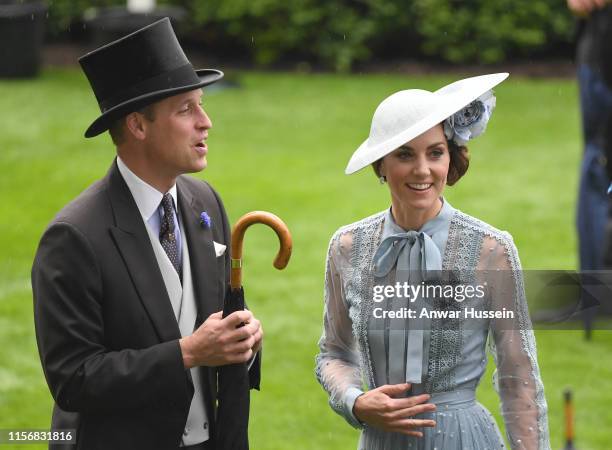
(139, 69)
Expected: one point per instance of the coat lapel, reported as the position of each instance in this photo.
(201, 252)
(205, 276)
(132, 240)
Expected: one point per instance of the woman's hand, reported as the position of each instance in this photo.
(382, 409)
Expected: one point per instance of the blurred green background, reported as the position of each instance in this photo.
(343, 34)
(280, 142)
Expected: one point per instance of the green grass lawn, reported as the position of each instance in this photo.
(280, 143)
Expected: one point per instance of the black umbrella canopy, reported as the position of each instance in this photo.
(235, 380)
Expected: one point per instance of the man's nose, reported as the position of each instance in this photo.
(203, 120)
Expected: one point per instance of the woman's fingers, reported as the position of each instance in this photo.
(414, 410)
(414, 423)
(408, 402)
(386, 408)
(393, 390)
(409, 426)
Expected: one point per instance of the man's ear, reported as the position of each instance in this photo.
(135, 124)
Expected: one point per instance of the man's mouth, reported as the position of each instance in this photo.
(419, 186)
(201, 147)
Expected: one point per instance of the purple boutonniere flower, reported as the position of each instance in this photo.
(205, 220)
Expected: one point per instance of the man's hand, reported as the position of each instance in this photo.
(381, 409)
(583, 8)
(218, 342)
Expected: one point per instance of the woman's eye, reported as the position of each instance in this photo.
(404, 154)
(437, 153)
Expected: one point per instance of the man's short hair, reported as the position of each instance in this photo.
(117, 129)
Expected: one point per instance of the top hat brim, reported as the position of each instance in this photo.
(451, 98)
(106, 119)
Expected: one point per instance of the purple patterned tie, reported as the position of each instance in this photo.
(167, 236)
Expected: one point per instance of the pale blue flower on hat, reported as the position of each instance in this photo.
(470, 121)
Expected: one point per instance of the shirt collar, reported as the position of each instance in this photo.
(433, 225)
(147, 198)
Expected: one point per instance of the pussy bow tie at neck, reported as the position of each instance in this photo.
(416, 256)
(412, 250)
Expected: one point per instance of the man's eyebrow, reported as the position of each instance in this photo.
(188, 101)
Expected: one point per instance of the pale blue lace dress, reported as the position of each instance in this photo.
(443, 358)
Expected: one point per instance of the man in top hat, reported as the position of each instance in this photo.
(129, 278)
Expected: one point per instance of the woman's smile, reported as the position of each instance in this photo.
(419, 187)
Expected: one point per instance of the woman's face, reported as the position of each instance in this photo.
(416, 172)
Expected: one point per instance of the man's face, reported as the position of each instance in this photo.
(175, 138)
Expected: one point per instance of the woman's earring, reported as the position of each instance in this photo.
(382, 179)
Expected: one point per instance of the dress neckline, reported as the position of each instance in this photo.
(439, 222)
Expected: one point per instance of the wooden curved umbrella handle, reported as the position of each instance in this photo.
(274, 222)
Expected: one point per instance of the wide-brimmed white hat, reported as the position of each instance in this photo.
(407, 114)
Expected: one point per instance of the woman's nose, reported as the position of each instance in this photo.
(421, 167)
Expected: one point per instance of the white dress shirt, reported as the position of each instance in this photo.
(148, 200)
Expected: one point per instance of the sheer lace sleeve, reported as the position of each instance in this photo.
(511, 341)
(337, 364)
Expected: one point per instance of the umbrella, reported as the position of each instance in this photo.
(234, 380)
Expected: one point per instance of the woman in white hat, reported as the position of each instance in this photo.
(418, 350)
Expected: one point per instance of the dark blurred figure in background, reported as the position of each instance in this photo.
(595, 79)
(608, 154)
(607, 252)
(594, 61)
